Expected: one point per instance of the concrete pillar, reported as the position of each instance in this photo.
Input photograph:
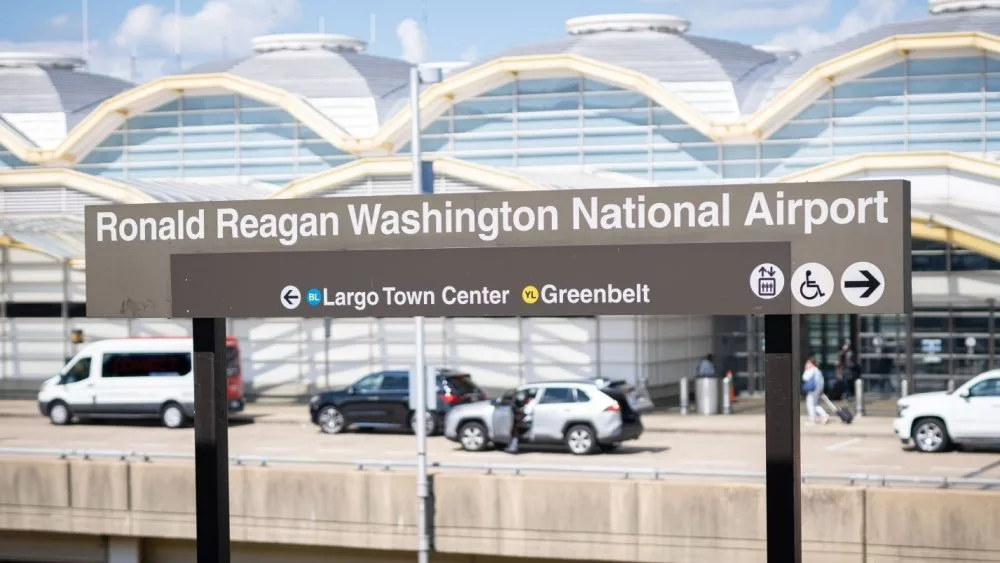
(124, 550)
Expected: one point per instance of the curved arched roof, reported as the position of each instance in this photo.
(356, 90)
(436, 100)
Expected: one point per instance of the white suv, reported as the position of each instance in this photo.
(968, 415)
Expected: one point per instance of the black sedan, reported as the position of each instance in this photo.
(382, 400)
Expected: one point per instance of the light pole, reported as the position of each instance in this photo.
(418, 76)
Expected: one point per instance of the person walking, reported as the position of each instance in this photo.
(812, 384)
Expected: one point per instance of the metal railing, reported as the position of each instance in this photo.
(851, 479)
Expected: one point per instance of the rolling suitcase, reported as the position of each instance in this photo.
(845, 415)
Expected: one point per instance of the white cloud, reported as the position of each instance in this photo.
(152, 27)
(412, 40)
(761, 14)
(61, 20)
(866, 15)
(470, 55)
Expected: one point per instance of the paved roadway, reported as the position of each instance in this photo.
(672, 442)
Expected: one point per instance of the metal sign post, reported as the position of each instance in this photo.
(778, 250)
(211, 440)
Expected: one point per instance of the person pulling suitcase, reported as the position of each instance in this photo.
(845, 415)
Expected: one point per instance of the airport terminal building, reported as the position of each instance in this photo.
(613, 101)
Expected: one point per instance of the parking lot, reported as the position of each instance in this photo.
(671, 442)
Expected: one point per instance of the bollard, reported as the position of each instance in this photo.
(904, 387)
(859, 396)
(727, 385)
(684, 395)
(951, 386)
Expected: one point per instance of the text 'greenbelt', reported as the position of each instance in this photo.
(490, 222)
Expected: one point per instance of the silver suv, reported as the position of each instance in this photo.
(585, 416)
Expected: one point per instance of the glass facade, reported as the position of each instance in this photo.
(213, 136)
(945, 104)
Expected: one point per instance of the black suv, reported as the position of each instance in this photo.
(382, 400)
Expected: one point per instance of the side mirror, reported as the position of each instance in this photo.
(350, 390)
(964, 393)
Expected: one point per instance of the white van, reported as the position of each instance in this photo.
(128, 378)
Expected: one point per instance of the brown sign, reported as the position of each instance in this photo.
(849, 241)
(481, 282)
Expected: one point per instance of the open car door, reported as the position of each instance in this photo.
(503, 417)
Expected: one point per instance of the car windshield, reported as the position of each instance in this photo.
(461, 384)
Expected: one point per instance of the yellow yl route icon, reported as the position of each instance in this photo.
(529, 294)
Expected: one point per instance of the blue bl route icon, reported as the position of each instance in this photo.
(314, 297)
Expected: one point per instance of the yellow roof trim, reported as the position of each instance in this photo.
(464, 85)
(909, 160)
(94, 185)
(922, 230)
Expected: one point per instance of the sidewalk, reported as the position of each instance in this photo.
(740, 423)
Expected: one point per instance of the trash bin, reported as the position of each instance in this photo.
(708, 394)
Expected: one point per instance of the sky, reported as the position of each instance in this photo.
(416, 30)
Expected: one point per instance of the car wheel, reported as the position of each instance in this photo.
(931, 435)
(331, 420)
(59, 413)
(172, 416)
(581, 440)
(430, 426)
(472, 436)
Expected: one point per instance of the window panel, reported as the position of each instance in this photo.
(844, 148)
(209, 102)
(505, 90)
(251, 168)
(992, 64)
(484, 125)
(433, 144)
(209, 153)
(871, 89)
(956, 65)
(194, 170)
(167, 107)
(478, 143)
(261, 152)
(617, 119)
(623, 99)
(153, 121)
(857, 129)
(873, 108)
(485, 106)
(739, 152)
(245, 102)
(171, 154)
(703, 154)
(731, 171)
(549, 141)
(779, 169)
(817, 110)
(262, 133)
(799, 150)
(203, 119)
(492, 160)
(898, 69)
(685, 135)
(98, 156)
(619, 156)
(195, 137)
(320, 149)
(545, 86)
(929, 105)
(638, 137)
(266, 117)
(143, 139)
(548, 103)
(311, 167)
(945, 85)
(113, 140)
(548, 159)
(937, 144)
(946, 125)
(595, 86)
(802, 131)
(160, 171)
(438, 127)
(527, 122)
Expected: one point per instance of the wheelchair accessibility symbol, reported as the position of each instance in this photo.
(812, 284)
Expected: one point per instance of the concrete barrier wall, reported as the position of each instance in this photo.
(502, 516)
